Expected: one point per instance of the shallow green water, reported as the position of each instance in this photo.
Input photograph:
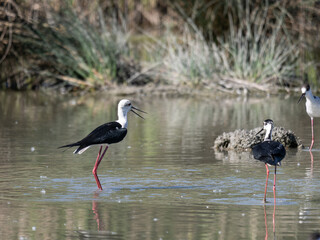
(163, 181)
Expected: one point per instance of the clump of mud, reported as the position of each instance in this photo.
(243, 140)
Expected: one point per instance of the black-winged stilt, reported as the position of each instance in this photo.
(312, 106)
(270, 152)
(106, 134)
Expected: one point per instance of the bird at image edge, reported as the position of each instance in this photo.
(312, 107)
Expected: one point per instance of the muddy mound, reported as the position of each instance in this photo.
(242, 140)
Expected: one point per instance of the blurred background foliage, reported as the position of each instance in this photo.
(222, 44)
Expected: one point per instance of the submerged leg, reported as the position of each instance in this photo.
(312, 141)
(265, 191)
(95, 168)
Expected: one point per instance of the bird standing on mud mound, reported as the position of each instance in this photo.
(106, 134)
(312, 107)
(270, 152)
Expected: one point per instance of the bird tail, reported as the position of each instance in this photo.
(70, 145)
(79, 150)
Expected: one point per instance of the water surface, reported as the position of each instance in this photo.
(163, 181)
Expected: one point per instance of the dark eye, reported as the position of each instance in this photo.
(129, 104)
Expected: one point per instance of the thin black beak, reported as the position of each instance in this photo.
(302, 95)
(136, 112)
(259, 131)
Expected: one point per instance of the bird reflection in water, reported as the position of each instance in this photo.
(273, 221)
(101, 232)
(311, 167)
(95, 210)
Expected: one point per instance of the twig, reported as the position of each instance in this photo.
(248, 84)
(73, 80)
(136, 75)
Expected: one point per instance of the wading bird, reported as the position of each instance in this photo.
(270, 152)
(312, 107)
(106, 134)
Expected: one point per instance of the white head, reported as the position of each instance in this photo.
(124, 107)
(268, 126)
(304, 89)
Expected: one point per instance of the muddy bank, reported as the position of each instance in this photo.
(160, 89)
(242, 140)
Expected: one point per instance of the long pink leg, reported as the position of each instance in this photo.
(312, 134)
(274, 184)
(99, 154)
(95, 168)
(265, 191)
(274, 196)
(274, 219)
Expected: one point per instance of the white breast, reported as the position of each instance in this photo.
(313, 107)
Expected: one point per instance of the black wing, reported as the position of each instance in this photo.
(270, 152)
(107, 133)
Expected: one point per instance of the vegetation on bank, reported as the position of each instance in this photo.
(228, 45)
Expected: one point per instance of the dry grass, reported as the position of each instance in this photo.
(85, 43)
(247, 55)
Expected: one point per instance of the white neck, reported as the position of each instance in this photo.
(268, 136)
(122, 118)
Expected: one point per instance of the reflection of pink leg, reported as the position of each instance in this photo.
(312, 134)
(273, 219)
(265, 222)
(311, 167)
(95, 168)
(95, 210)
(265, 190)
